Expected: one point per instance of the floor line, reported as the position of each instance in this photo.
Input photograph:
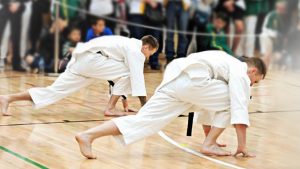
(168, 139)
(23, 158)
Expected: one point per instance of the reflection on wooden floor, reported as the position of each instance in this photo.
(45, 138)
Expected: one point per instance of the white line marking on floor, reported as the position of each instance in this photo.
(168, 139)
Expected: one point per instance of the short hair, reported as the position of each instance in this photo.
(73, 29)
(151, 41)
(259, 64)
(221, 15)
(96, 20)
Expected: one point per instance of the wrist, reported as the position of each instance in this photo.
(241, 147)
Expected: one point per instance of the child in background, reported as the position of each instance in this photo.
(98, 29)
(217, 39)
(73, 38)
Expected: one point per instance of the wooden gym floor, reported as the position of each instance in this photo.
(45, 138)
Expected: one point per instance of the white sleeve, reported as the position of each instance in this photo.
(135, 62)
(239, 90)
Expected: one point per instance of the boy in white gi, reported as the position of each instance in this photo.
(210, 80)
(116, 58)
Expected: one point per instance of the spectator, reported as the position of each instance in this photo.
(36, 62)
(201, 12)
(98, 29)
(40, 8)
(103, 8)
(68, 15)
(154, 17)
(254, 9)
(12, 11)
(121, 14)
(271, 36)
(236, 13)
(136, 15)
(177, 12)
(217, 40)
(73, 38)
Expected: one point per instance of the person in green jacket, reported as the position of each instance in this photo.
(217, 39)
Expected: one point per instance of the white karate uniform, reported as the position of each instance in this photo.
(121, 61)
(212, 80)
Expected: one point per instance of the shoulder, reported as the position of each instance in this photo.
(209, 27)
(108, 31)
(90, 31)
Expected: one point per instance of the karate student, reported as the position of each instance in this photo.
(115, 58)
(210, 80)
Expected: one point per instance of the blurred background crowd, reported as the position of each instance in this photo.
(243, 28)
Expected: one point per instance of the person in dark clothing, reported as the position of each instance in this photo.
(12, 11)
(236, 13)
(39, 9)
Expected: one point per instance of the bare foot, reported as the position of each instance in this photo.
(221, 145)
(129, 110)
(4, 106)
(214, 150)
(114, 113)
(125, 106)
(85, 146)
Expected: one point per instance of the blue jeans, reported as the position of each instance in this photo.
(176, 14)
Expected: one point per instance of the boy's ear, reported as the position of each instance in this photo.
(254, 70)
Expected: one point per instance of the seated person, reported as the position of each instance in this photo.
(98, 29)
(74, 37)
(36, 62)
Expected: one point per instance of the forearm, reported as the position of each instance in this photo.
(241, 134)
(143, 100)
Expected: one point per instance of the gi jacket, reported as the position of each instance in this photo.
(123, 49)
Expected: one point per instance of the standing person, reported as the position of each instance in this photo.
(236, 13)
(254, 9)
(177, 12)
(12, 11)
(154, 17)
(114, 58)
(211, 80)
(40, 8)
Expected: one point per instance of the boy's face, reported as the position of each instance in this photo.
(75, 36)
(99, 26)
(254, 75)
(219, 23)
(148, 51)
